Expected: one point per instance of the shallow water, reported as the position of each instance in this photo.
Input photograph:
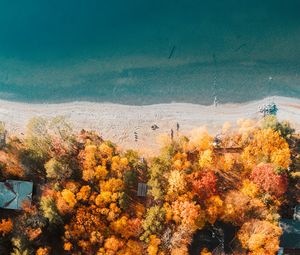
(144, 52)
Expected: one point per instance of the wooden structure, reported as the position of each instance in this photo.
(220, 150)
(2, 139)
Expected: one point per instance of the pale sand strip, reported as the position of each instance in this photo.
(119, 122)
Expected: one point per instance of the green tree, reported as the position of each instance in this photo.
(157, 181)
(284, 127)
(46, 137)
(153, 222)
(2, 134)
(134, 161)
(37, 137)
(49, 210)
(130, 184)
(57, 170)
(19, 247)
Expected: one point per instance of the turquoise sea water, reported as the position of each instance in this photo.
(144, 52)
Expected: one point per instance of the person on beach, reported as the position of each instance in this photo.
(172, 134)
(177, 126)
(135, 136)
(154, 127)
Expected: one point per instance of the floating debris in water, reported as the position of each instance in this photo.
(241, 46)
(172, 52)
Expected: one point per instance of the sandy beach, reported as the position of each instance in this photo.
(130, 126)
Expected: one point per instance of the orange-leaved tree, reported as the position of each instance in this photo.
(6, 226)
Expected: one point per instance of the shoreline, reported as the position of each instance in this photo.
(119, 123)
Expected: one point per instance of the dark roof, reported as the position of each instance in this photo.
(296, 215)
(14, 193)
(290, 237)
(142, 190)
(216, 238)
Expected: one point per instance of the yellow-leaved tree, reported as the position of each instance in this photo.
(266, 146)
(260, 237)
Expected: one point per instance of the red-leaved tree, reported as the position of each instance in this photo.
(264, 175)
(204, 184)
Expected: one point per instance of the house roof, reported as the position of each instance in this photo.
(290, 237)
(142, 190)
(14, 193)
(296, 215)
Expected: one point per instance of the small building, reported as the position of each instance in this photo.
(217, 238)
(142, 189)
(296, 215)
(2, 139)
(290, 238)
(14, 193)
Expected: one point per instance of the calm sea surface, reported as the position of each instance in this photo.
(145, 52)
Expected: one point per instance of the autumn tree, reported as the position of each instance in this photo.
(37, 137)
(157, 181)
(130, 180)
(28, 227)
(97, 162)
(43, 251)
(200, 140)
(119, 165)
(283, 128)
(205, 252)
(127, 227)
(177, 182)
(250, 189)
(180, 161)
(226, 162)
(132, 247)
(153, 222)
(112, 245)
(153, 246)
(265, 177)
(3, 133)
(204, 183)
(266, 146)
(19, 247)
(206, 159)
(213, 208)
(47, 137)
(134, 160)
(49, 209)
(260, 237)
(90, 163)
(84, 225)
(239, 208)
(10, 166)
(188, 213)
(57, 170)
(69, 197)
(6, 226)
(84, 193)
(181, 239)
